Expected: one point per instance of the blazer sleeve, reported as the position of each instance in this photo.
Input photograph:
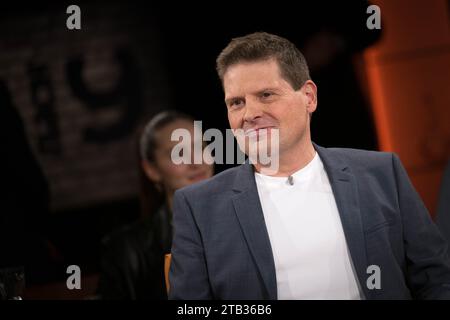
(428, 264)
(188, 275)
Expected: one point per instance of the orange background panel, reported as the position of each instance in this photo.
(409, 80)
(409, 25)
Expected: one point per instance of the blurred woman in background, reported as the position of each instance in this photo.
(132, 264)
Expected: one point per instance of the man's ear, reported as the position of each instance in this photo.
(151, 171)
(310, 91)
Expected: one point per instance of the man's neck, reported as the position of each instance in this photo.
(292, 161)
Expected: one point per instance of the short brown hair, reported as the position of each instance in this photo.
(261, 46)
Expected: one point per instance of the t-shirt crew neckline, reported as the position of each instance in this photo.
(298, 176)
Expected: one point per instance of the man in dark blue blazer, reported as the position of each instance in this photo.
(328, 224)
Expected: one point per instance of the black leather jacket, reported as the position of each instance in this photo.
(132, 265)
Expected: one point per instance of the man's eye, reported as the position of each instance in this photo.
(266, 94)
(235, 103)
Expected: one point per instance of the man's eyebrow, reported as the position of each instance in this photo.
(255, 93)
(228, 100)
(258, 92)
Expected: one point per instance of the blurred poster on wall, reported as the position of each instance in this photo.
(83, 94)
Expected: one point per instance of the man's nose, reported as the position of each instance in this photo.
(253, 111)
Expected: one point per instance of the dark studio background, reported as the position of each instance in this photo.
(73, 101)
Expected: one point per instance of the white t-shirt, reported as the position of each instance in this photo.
(311, 256)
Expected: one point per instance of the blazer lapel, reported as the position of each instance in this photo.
(345, 191)
(250, 215)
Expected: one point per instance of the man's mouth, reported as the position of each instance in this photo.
(257, 131)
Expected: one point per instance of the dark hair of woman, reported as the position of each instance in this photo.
(151, 194)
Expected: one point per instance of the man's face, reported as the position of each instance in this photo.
(258, 97)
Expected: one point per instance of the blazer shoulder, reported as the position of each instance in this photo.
(365, 159)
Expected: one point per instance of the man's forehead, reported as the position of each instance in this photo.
(252, 76)
(268, 66)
